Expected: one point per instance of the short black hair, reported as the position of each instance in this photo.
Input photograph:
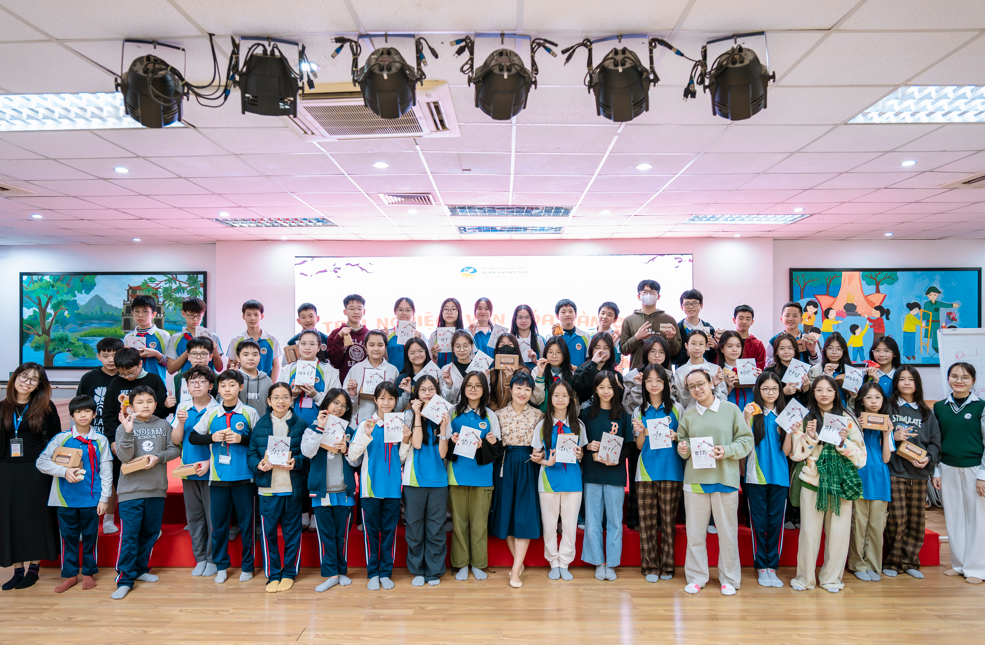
(247, 343)
(127, 358)
(812, 303)
(404, 299)
(230, 375)
(194, 305)
(253, 304)
(353, 297)
(796, 305)
(142, 389)
(82, 402)
(143, 300)
(611, 305)
(200, 341)
(743, 309)
(653, 284)
(565, 302)
(307, 306)
(853, 329)
(200, 371)
(696, 332)
(109, 345)
(692, 294)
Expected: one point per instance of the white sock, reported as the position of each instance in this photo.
(147, 577)
(600, 572)
(418, 581)
(120, 593)
(220, 577)
(566, 575)
(435, 582)
(210, 570)
(386, 583)
(345, 581)
(462, 575)
(373, 584)
(199, 569)
(651, 577)
(246, 576)
(328, 584)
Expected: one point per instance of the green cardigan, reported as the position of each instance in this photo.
(728, 428)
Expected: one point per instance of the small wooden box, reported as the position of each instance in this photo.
(185, 470)
(137, 464)
(291, 353)
(666, 326)
(801, 345)
(67, 457)
(506, 360)
(910, 451)
(871, 421)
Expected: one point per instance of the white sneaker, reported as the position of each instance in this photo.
(728, 590)
(692, 588)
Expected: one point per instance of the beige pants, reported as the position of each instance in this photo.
(565, 505)
(868, 524)
(837, 528)
(700, 507)
(964, 517)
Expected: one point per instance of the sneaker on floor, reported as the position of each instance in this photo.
(728, 590)
(862, 575)
(764, 578)
(774, 579)
(692, 588)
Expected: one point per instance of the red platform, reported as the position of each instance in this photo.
(173, 548)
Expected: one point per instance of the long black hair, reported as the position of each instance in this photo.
(667, 400)
(38, 403)
(431, 429)
(814, 412)
(864, 391)
(615, 413)
(759, 420)
(644, 357)
(836, 339)
(889, 342)
(566, 371)
(603, 337)
(463, 403)
(333, 394)
(727, 336)
(917, 392)
(458, 306)
(534, 334)
(408, 367)
(549, 420)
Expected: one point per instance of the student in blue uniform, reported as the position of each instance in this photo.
(885, 354)
(176, 352)
(308, 318)
(524, 328)
(470, 483)
(730, 347)
(281, 487)
(784, 351)
(226, 430)
(195, 488)
(270, 349)
(576, 339)
(416, 357)
(767, 476)
(79, 494)
(834, 358)
(453, 373)
(379, 486)
(155, 341)
(309, 397)
(451, 316)
(404, 310)
(483, 328)
(332, 487)
(425, 484)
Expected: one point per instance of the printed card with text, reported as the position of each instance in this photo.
(430, 369)
(610, 447)
(853, 379)
(494, 335)
(468, 442)
(526, 351)
(406, 329)
(435, 408)
(305, 373)
(658, 433)
(796, 371)
(480, 362)
(442, 338)
(565, 448)
(833, 425)
(745, 368)
(371, 378)
(791, 416)
(278, 450)
(334, 431)
(393, 427)
(701, 456)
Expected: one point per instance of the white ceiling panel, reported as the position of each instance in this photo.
(435, 15)
(661, 164)
(31, 169)
(746, 137)
(566, 139)
(361, 163)
(107, 19)
(87, 187)
(814, 162)
(316, 184)
(205, 200)
(963, 136)
(263, 199)
(891, 162)
(394, 183)
(237, 184)
(63, 70)
(291, 164)
(170, 142)
(217, 166)
(916, 14)
(778, 181)
(475, 138)
(259, 141)
(269, 17)
(637, 183)
(449, 163)
(668, 138)
(161, 186)
(817, 105)
(899, 195)
(963, 67)
(730, 17)
(864, 180)
(126, 202)
(65, 145)
(724, 181)
(868, 138)
(537, 183)
(557, 15)
(540, 164)
(479, 182)
(714, 163)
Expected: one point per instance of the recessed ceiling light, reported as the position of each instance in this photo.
(223, 214)
(908, 163)
(121, 170)
(737, 235)
(928, 104)
(136, 239)
(381, 165)
(888, 234)
(412, 211)
(799, 209)
(605, 213)
(36, 215)
(644, 166)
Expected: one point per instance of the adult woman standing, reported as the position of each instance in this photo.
(28, 526)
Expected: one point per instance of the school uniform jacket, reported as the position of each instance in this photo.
(156, 339)
(97, 461)
(365, 407)
(258, 448)
(318, 464)
(241, 420)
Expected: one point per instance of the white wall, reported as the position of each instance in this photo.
(86, 258)
(903, 254)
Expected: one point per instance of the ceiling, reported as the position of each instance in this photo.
(832, 59)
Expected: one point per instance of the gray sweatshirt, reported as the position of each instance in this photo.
(151, 437)
(334, 475)
(254, 392)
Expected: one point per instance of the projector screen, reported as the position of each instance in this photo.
(508, 281)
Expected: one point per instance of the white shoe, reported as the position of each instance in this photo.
(109, 528)
(314, 523)
(305, 521)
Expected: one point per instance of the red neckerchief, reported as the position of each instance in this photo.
(91, 445)
(188, 336)
(559, 427)
(555, 378)
(229, 426)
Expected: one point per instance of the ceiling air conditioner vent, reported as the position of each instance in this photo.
(509, 211)
(975, 181)
(421, 199)
(337, 112)
(6, 190)
(510, 230)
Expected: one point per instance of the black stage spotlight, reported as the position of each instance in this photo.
(503, 82)
(737, 81)
(152, 92)
(621, 83)
(387, 82)
(268, 85)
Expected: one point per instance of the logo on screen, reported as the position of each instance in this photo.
(468, 272)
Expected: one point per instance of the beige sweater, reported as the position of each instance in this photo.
(805, 448)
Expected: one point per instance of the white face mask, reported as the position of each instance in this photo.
(648, 299)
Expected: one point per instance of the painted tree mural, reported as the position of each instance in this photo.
(53, 302)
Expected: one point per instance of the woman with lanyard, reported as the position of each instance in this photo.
(451, 317)
(28, 526)
(516, 505)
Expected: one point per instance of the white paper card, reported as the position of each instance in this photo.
(796, 371)
(791, 416)
(305, 373)
(526, 351)
(405, 331)
(658, 433)
(746, 370)
(610, 447)
(334, 430)
(430, 369)
(480, 362)
(393, 427)
(853, 379)
(185, 395)
(137, 342)
(701, 456)
(833, 424)
(494, 335)
(468, 442)
(565, 448)
(435, 408)
(278, 450)
(442, 338)
(371, 378)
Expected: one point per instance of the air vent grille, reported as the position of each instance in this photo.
(421, 199)
(510, 211)
(974, 181)
(6, 190)
(510, 230)
(359, 121)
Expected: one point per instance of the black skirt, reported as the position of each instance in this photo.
(28, 526)
(516, 504)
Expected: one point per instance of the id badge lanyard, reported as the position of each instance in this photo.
(17, 444)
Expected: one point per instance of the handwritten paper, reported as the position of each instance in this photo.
(480, 362)
(658, 433)
(436, 407)
(405, 330)
(796, 371)
(494, 334)
(853, 379)
(137, 342)
(833, 425)
(334, 431)
(526, 351)
(745, 368)
(564, 450)
(610, 447)
(442, 338)
(431, 369)
(393, 427)
(372, 377)
(791, 416)
(278, 450)
(701, 456)
(305, 373)
(468, 442)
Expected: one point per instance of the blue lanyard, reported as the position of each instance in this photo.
(18, 418)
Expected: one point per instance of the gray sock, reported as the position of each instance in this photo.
(328, 584)
(764, 579)
(610, 573)
(916, 573)
(199, 569)
(862, 575)
(874, 577)
(890, 573)
(418, 581)
(374, 584)
(665, 576)
(600, 572)
(246, 576)
(345, 581)
(387, 583)
(147, 577)
(479, 573)
(832, 589)
(210, 569)
(777, 583)
(220, 577)
(120, 593)
(566, 575)
(651, 577)
(462, 575)
(555, 574)
(435, 582)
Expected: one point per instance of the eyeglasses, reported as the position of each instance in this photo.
(340, 406)
(449, 310)
(473, 386)
(198, 381)
(281, 397)
(199, 354)
(691, 305)
(24, 378)
(188, 314)
(960, 379)
(769, 390)
(696, 387)
(648, 291)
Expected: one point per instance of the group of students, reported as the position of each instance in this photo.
(529, 447)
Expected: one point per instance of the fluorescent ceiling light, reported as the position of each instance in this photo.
(85, 111)
(737, 235)
(275, 222)
(136, 239)
(509, 211)
(744, 219)
(928, 104)
(477, 230)
(888, 234)
(223, 214)
(799, 209)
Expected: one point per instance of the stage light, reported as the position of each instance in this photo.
(503, 82)
(908, 163)
(37, 215)
(386, 80)
(152, 92)
(644, 166)
(121, 170)
(621, 83)
(381, 165)
(268, 84)
(737, 81)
